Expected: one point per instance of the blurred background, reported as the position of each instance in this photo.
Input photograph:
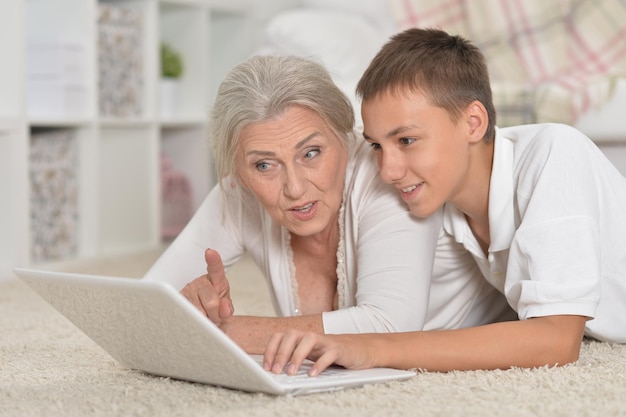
(104, 104)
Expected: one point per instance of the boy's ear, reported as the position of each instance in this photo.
(477, 120)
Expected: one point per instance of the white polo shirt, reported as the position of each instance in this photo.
(557, 218)
(385, 276)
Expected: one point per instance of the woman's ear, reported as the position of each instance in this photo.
(236, 170)
(477, 120)
(240, 182)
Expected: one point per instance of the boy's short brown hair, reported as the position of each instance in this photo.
(449, 70)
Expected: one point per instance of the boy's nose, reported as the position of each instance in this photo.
(391, 167)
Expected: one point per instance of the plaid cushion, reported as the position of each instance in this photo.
(514, 102)
(447, 14)
(548, 61)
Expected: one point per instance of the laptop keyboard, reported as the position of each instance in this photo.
(328, 373)
(302, 374)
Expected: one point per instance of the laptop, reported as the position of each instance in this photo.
(150, 327)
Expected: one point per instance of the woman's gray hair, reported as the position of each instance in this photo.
(262, 88)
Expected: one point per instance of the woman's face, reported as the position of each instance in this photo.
(295, 165)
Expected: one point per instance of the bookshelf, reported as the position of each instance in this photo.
(58, 80)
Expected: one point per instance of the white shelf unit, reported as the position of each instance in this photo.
(119, 195)
(13, 243)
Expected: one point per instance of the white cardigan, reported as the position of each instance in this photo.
(385, 256)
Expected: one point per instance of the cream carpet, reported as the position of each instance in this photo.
(49, 368)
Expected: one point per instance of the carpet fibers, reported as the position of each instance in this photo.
(49, 368)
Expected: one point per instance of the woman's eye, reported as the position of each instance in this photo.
(262, 166)
(375, 146)
(312, 153)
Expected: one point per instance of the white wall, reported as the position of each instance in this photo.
(262, 11)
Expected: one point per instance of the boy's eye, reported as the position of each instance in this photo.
(375, 146)
(407, 141)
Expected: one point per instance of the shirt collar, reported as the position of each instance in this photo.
(501, 213)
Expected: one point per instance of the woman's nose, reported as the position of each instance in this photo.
(294, 181)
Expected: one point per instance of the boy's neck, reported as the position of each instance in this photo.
(473, 200)
(480, 232)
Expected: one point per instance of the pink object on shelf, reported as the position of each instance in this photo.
(176, 200)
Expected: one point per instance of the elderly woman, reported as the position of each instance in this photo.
(299, 192)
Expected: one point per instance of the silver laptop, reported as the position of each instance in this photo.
(149, 326)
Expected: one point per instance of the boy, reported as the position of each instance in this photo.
(539, 208)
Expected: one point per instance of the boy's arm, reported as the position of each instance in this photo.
(551, 340)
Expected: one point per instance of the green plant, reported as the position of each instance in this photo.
(171, 62)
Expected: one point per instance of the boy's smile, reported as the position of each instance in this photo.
(421, 150)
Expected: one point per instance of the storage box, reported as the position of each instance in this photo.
(120, 61)
(58, 60)
(57, 80)
(56, 99)
(54, 212)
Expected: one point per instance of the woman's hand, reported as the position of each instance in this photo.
(286, 351)
(210, 293)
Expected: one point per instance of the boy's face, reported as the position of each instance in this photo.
(420, 150)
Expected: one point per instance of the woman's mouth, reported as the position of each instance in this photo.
(304, 208)
(305, 212)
